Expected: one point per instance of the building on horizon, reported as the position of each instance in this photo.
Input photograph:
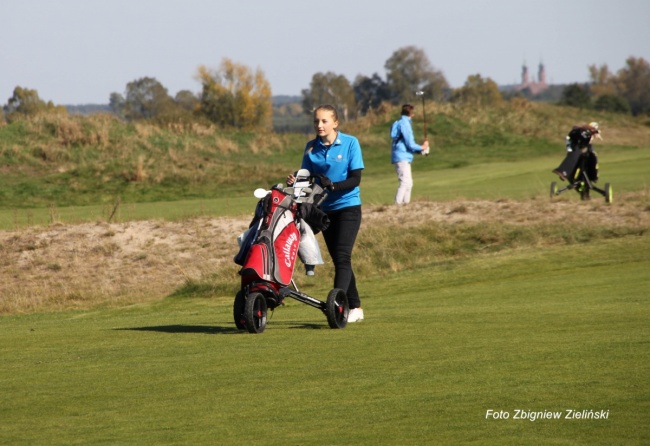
(535, 86)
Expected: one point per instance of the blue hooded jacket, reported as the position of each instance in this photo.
(404, 145)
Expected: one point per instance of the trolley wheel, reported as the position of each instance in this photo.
(609, 193)
(238, 310)
(255, 311)
(337, 308)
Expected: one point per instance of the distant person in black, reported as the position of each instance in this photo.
(579, 143)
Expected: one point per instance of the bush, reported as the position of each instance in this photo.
(612, 103)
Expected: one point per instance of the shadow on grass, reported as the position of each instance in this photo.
(304, 325)
(204, 329)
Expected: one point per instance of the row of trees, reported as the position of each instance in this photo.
(26, 102)
(407, 70)
(231, 96)
(627, 91)
(236, 96)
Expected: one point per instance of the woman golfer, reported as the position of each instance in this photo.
(336, 160)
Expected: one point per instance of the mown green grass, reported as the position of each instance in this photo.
(531, 326)
(120, 212)
(627, 170)
(532, 329)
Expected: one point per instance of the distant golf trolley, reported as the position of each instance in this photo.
(580, 182)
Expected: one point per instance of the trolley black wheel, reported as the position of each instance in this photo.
(255, 311)
(553, 189)
(609, 193)
(238, 308)
(337, 308)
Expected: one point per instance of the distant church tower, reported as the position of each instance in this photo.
(525, 78)
(542, 74)
(534, 86)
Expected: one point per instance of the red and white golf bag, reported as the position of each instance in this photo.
(270, 248)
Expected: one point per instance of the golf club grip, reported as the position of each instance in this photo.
(322, 199)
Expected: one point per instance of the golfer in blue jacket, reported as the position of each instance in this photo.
(403, 148)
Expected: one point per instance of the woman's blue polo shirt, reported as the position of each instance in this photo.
(335, 162)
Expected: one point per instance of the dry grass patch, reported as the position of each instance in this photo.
(81, 266)
(65, 266)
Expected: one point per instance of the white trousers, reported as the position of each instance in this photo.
(403, 195)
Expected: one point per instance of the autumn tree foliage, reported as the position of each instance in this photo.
(603, 81)
(478, 92)
(633, 83)
(235, 96)
(626, 91)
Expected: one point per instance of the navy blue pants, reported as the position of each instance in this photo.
(340, 237)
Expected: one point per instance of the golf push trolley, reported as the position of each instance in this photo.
(269, 252)
(582, 178)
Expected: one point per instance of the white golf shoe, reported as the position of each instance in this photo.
(355, 315)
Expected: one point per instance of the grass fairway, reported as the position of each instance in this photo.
(626, 169)
(534, 329)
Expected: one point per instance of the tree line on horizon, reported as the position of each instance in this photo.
(234, 96)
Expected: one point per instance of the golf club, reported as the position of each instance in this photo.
(424, 114)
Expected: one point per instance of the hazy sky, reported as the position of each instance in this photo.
(81, 51)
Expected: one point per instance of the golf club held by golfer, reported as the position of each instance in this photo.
(424, 117)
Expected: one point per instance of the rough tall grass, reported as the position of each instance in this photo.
(76, 160)
(84, 160)
(517, 122)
